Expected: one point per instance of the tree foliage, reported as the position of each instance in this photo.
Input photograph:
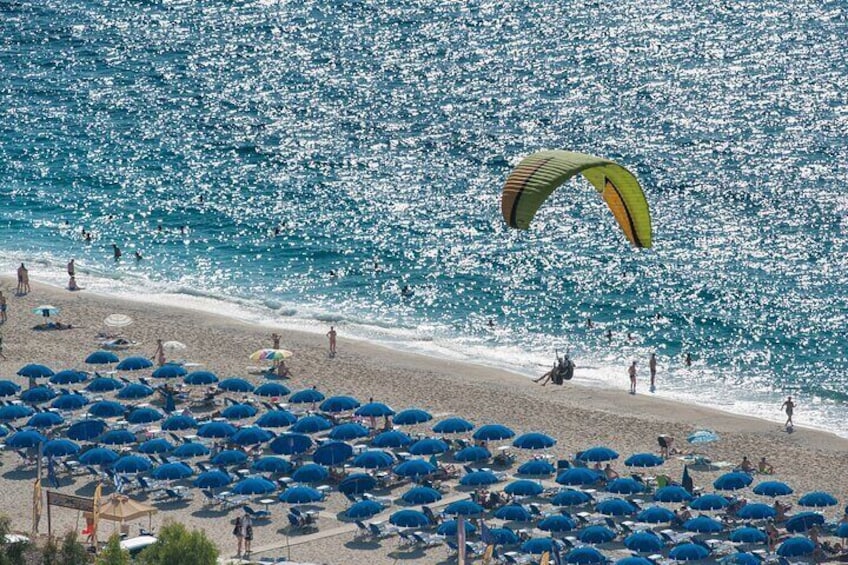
(178, 545)
(72, 552)
(112, 554)
(10, 553)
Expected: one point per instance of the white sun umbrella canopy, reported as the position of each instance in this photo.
(117, 321)
(174, 346)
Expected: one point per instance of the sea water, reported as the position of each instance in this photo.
(375, 137)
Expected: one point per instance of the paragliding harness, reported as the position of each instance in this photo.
(564, 371)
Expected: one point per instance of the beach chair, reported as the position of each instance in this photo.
(362, 531)
(209, 499)
(257, 514)
(425, 540)
(431, 515)
(379, 530)
(230, 501)
(171, 495)
(406, 539)
(150, 486)
(25, 459)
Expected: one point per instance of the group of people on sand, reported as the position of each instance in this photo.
(764, 467)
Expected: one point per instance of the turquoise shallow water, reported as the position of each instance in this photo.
(382, 132)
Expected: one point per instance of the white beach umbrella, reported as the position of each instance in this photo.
(174, 346)
(117, 320)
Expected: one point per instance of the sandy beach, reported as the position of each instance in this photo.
(578, 417)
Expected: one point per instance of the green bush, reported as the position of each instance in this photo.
(112, 554)
(177, 545)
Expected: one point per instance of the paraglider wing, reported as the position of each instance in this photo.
(538, 175)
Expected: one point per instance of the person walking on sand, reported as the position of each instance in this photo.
(652, 364)
(247, 532)
(3, 307)
(238, 531)
(789, 407)
(632, 372)
(159, 354)
(332, 336)
(275, 339)
(116, 251)
(23, 279)
(72, 271)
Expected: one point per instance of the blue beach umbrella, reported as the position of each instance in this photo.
(741, 558)
(374, 410)
(672, 493)
(479, 479)
(578, 476)
(306, 396)
(104, 384)
(373, 459)
(411, 416)
(409, 518)
(472, 454)
(217, 430)
(655, 515)
(463, 508)
(709, 502)
(536, 468)
(86, 430)
(45, 420)
(35, 371)
(493, 432)
(357, 483)
(144, 416)
(538, 546)
(569, 497)
(421, 495)
(301, 495)
(71, 401)
(117, 437)
(200, 378)
(634, 560)
(169, 371)
(68, 377)
(107, 409)
(311, 424)
(596, 534)
(12, 412)
(625, 485)
(414, 468)
(702, 436)
(155, 445)
(428, 446)
(524, 487)
(773, 489)
(616, 507)
(747, 534)
(251, 435)
(311, 473)
(348, 431)
(134, 390)
(734, 480)
(644, 542)
(803, 521)
(449, 528)
(453, 425)
(212, 479)
(101, 358)
(179, 422)
(290, 444)
(391, 438)
(271, 389)
(557, 523)
(189, 450)
(513, 513)
(24, 439)
(534, 440)
(644, 460)
(98, 456)
(134, 363)
(172, 472)
(817, 499)
(842, 530)
(60, 448)
(703, 525)
(584, 556)
(235, 384)
(238, 411)
(271, 464)
(796, 547)
(332, 453)
(276, 419)
(688, 552)
(337, 404)
(254, 485)
(502, 536)
(598, 454)
(38, 394)
(363, 510)
(756, 511)
(229, 457)
(132, 464)
(9, 388)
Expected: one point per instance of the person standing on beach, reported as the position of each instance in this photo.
(72, 271)
(238, 530)
(789, 407)
(332, 336)
(116, 251)
(609, 336)
(652, 364)
(632, 372)
(3, 306)
(159, 354)
(688, 359)
(23, 279)
(275, 339)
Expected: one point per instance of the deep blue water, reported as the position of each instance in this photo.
(383, 131)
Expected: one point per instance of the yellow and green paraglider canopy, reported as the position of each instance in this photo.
(538, 175)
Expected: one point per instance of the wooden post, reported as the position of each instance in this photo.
(49, 527)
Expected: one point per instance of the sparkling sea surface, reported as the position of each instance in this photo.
(377, 133)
